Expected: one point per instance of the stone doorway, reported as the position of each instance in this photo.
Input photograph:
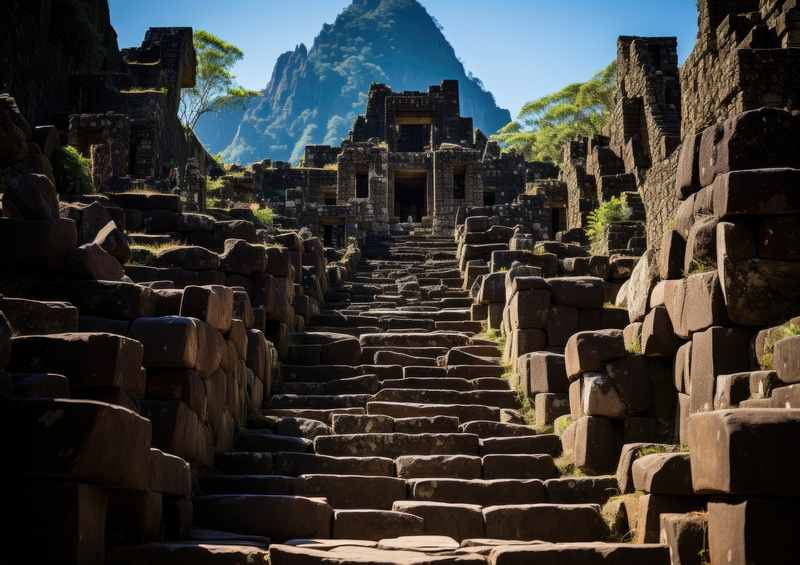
(411, 195)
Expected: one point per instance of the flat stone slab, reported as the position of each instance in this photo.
(396, 445)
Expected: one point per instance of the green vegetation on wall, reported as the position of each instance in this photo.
(613, 210)
(544, 125)
(71, 171)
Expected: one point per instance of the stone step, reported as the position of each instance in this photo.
(467, 371)
(353, 491)
(545, 444)
(320, 414)
(265, 440)
(546, 522)
(318, 402)
(403, 359)
(466, 326)
(590, 553)
(495, 398)
(479, 350)
(276, 517)
(444, 466)
(458, 521)
(244, 463)
(464, 412)
(479, 491)
(361, 384)
(248, 484)
(371, 354)
(317, 373)
(490, 429)
(429, 383)
(423, 372)
(451, 315)
(361, 424)
(520, 466)
(490, 383)
(457, 357)
(291, 426)
(231, 552)
(375, 525)
(294, 464)
(395, 445)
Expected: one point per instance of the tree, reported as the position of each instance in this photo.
(544, 125)
(215, 87)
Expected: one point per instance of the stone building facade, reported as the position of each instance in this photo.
(411, 157)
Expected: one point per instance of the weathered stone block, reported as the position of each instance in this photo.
(658, 337)
(529, 309)
(169, 342)
(716, 351)
(590, 351)
(597, 445)
(78, 440)
(742, 532)
(547, 372)
(729, 447)
(212, 304)
(579, 292)
(88, 360)
(731, 390)
(663, 473)
(686, 535)
(750, 140)
(786, 359)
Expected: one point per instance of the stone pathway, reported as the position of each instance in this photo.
(393, 437)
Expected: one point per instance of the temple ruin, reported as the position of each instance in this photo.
(411, 158)
(483, 384)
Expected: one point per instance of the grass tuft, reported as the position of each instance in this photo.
(774, 335)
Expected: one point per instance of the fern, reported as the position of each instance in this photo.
(609, 212)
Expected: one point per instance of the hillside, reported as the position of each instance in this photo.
(314, 94)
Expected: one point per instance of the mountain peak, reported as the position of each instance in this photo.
(315, 94)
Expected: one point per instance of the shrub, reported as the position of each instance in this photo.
(264, 215)
(214, 185)
(71, 171)
(613, 210)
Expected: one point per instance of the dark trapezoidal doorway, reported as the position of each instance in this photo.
(410, 196)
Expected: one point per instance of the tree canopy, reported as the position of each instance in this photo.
(215, 86)
(544, 125)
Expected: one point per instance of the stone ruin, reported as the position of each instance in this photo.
(411, 156)
(180, 387)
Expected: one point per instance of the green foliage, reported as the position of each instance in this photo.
(774, 335)
(701, 266)
(544, 125)
(561, 424)
(634, 348)
(655, 449)
(146, 253)
(567, 467)
(264, 215)
(613, 210)
(215, 86)
(214, 185)
(71, 171)
(526, 410)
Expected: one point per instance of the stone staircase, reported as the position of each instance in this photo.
(393, 430)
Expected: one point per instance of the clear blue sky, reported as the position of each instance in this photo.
(520, 49)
